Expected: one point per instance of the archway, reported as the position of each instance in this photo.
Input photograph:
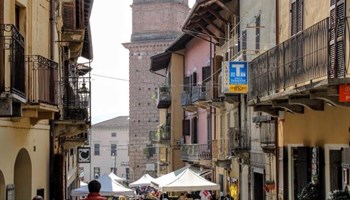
(2, 187)
(23, 175)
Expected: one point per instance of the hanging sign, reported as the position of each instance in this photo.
(344, 93)
(235, 77)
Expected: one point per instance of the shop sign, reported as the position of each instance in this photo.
(344, 93)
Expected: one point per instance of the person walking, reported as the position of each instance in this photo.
(94, 191)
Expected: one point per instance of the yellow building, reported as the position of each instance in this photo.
(304, 81)
(33, 94)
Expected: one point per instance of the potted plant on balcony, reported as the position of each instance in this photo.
(269, 185)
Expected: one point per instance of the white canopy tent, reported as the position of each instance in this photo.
(116, 178)
(171, 176)
(145, 180)
(187, 180)
(109, 187)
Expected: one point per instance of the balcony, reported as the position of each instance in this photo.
(163, 97)
(267, 137)
(76, 98)
(73, 30)
(212, 95)
(186, 102)
(162, 135)
(305, 69)
(199, 96)
(239, 141)
(42, 88)
(196, 152)
(12, 72)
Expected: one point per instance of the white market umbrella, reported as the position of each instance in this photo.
(109, 187)
(82, 183)
(145, 180)
(167, 178)
(188, 180)
(116, 178)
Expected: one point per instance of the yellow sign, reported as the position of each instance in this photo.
(238, 88)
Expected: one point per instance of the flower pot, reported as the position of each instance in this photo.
(269, 185)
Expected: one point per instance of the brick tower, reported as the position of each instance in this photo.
(155, 25)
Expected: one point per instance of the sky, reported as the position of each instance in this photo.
(111, 23)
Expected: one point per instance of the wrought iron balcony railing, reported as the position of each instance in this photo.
(76, 98)
(42, 80)
(186, 98)
(220, 149)
(12, 49)
(239, 140)
(163, 134)
(199, 93)
(305, 58)
(195, 152)
(163, 97)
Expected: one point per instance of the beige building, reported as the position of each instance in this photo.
(109, 144)
(155, 24)
(39, 131)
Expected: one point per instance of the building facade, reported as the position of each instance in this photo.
(156, 24)
(40, 100)
(109, 143)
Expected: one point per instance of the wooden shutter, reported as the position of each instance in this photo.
(194, 135)
(337, 33)
(68, 15)
(186, 127)
(206, 74)
(296, 16)
(187, 83)
(194, 79)
(244, 44)
(80, 14)
(216, 68)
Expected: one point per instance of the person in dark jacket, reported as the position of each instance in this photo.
(94, 191)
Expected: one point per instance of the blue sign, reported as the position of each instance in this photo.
(238, 73)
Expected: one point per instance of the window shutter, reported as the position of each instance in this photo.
(186, 127)
(336, 45)
(216, 68)
(194, 79)
(244, 44)
(194, 131)
(68, 15)
(206, 74)
(296, 16)
(187, 83)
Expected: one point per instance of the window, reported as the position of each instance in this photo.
(97, 149)
(296, 16)
(97, 172)
(114, 134)
(113, 149)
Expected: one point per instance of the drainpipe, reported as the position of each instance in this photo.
(276, 120)
(52, 28)
(52, 132)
